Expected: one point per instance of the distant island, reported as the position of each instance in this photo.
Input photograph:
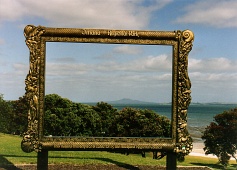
(127, 101)
(212, 103)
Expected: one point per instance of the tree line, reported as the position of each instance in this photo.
(63, 117)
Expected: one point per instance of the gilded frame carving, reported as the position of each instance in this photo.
(36, 38)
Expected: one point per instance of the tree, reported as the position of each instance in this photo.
(18, 115)
(107, 118)
(90, 124)
(131, 122)
(220, 137)
(5, 115)
(56, 109)
(66, 118)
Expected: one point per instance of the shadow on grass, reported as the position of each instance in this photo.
(120, 164)
(5, 164)
(216, 166)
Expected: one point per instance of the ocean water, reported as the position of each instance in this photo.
(199, 115)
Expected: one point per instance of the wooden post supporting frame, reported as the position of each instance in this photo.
(171, 162)
(42, 160)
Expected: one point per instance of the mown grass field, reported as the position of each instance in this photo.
(11, 153)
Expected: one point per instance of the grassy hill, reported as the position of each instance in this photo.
(11, 154)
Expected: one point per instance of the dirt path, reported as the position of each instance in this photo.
(98, 167)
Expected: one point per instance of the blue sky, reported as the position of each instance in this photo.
(95, 72)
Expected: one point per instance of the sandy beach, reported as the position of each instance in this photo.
(198, 151)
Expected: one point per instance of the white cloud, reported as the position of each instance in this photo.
(11, 10)
(2, 41)
(217, 13)
(111, 85)
(67, 69)
(213, 65)
(213, 77)
(152, 63)
(12, 82)
(135, 76)
(2, 64)
(121, 50)
(87, 13)
(146, 65)
(127, 49)
(65, 60)
(160, 63)
(20, 69)
(218, 87)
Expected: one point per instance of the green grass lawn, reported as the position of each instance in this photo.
(11, 153)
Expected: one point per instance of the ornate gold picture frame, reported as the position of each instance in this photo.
(36, 38)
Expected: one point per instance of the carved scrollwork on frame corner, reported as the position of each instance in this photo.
(184, 142)
(30, 137)
(186, 39)
(30, 142)
(186, 44)
(184, 148)
(188, 36)
(26, 143)
(33, 33)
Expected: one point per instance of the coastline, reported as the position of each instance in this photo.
(198, 151)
